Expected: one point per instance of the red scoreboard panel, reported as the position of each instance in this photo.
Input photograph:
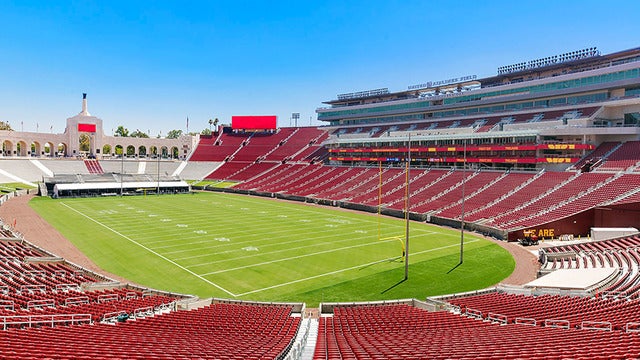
(87, 128)
(259, 122)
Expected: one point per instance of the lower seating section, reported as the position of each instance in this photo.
(212, 148)
(239, 171)
(48, 310)
(10, 249)
(583, 200)
(218, 331)
(489, 195)
(101, 305)
(623, 157)
(574, 309)
(404, 332)
(504, 200)
(596, 155)
(619, 253)
(33, 282)
(562, 193)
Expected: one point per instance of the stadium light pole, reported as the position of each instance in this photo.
(406, 233)
(295, 116)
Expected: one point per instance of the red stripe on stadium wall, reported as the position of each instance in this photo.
(87, 128)
(524, 160)
(473, 148)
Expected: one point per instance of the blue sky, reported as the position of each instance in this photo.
(149, 65)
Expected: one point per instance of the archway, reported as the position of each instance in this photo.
(118, 150)
(174, 152)
(142, 151)
(36, 149)
(84, 143)
(131, 150)
(22, 149)
(7, 148)
(106, 150)
(61, 150)
(49, 149)
(153, 151)
(164, 152)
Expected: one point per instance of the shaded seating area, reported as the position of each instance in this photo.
(406, 332)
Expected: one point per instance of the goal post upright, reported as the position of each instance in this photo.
(379, 197)
(406, 233)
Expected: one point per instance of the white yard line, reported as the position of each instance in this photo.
(346, 269)
(308, 255)
(361, 238)
(151, 251)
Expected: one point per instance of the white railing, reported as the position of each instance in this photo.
(52, 320)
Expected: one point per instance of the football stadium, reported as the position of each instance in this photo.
(498, 210)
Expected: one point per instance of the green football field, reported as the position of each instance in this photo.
(242, 247)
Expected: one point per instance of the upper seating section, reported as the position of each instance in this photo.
(472, 123)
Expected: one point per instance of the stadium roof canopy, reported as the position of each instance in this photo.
(119, 188)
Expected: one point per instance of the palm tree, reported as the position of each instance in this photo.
(210, 123)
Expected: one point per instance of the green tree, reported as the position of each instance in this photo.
(122, 131)
(84, 142)
(205, 132)
(174, 134)
(139, 134)
(5, 126)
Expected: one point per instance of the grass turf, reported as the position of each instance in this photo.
(10, 187)
(234, 246)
